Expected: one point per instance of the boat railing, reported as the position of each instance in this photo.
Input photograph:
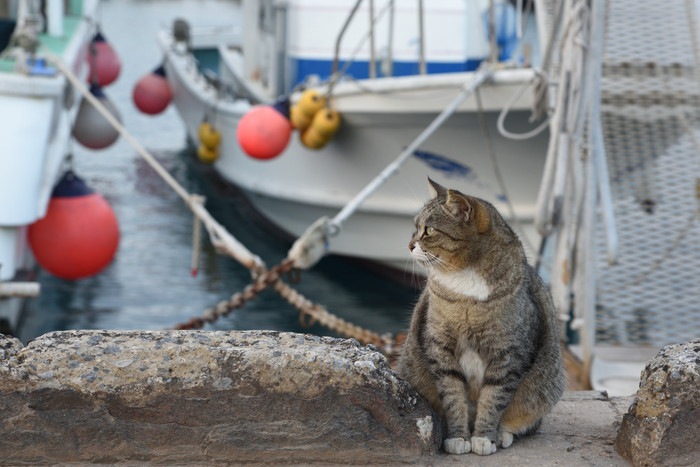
(335, 73)
(387, 61)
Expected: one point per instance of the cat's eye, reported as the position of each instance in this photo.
(429, 231)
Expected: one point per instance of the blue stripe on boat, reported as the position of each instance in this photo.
(303, 67)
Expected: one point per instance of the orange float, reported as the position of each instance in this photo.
(264, 131)
(152, 93)
(79, 235)
(103, 61)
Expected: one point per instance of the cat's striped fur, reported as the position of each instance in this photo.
(483, 346)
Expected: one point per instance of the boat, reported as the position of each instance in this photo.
(37, 110)
(389, 70)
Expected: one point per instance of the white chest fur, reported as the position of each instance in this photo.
(465, 282)
(473, 367)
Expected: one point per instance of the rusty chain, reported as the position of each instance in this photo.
(309, 313)
(262, 281)
(263, 278)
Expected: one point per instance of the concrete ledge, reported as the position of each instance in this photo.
(208, 398)
(205, 398)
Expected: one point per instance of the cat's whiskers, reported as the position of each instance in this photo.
(414, 281)
(435, 261)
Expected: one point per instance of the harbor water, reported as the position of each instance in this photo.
(149, 284)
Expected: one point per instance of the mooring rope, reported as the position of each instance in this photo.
(220, 237)
(237, 300)
(310, 313)
(226, 243)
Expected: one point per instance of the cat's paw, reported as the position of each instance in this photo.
(483, 446)
(505, 439)
(456, 446)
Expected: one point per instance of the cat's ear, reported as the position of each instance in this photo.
(436, 189)
(468, 209)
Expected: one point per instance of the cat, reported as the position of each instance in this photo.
(483, 345)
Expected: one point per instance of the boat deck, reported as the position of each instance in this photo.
(55, 45)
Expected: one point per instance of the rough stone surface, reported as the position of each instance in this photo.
(224, 398)
(662, 426)
(205, 398)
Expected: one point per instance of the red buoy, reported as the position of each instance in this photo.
(264, 131)
(104, 62)
(152, 93)
(79, 235)
(91, 128)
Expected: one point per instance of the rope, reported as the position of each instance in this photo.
(499, 175)
(237, 300)
(500, 123)
(264, 278)
(196, 242)
(220, 237)
(314, 313)
(310, 313)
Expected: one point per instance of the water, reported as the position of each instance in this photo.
(149, 286)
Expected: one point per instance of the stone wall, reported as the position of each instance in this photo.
(184, 397)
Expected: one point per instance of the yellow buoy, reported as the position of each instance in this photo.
(312, 139)
(208, 135)
(326, 122)
(299, 119)
(206, 154)
(311, 101)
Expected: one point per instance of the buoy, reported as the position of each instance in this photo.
(103, 61)
(263, 132)
(153, 93)
(90, 128)
(79, 235)
(299, 119)
(322, 128)
(313, 139)
(310, 102)
(208, 135)
(209, 140)
(326, 122)
(206, 154)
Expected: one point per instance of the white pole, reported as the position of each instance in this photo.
(372, 58)
(55, 12)
(480, 77)
(585, 299)
(19, 289)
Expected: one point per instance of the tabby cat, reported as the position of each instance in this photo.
(483, 346)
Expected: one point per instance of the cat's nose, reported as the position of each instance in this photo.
(411, 245)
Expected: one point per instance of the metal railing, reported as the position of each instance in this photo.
(372, 59)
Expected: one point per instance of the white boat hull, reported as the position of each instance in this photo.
(301, 185)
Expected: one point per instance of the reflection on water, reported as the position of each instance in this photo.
(149, 285)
